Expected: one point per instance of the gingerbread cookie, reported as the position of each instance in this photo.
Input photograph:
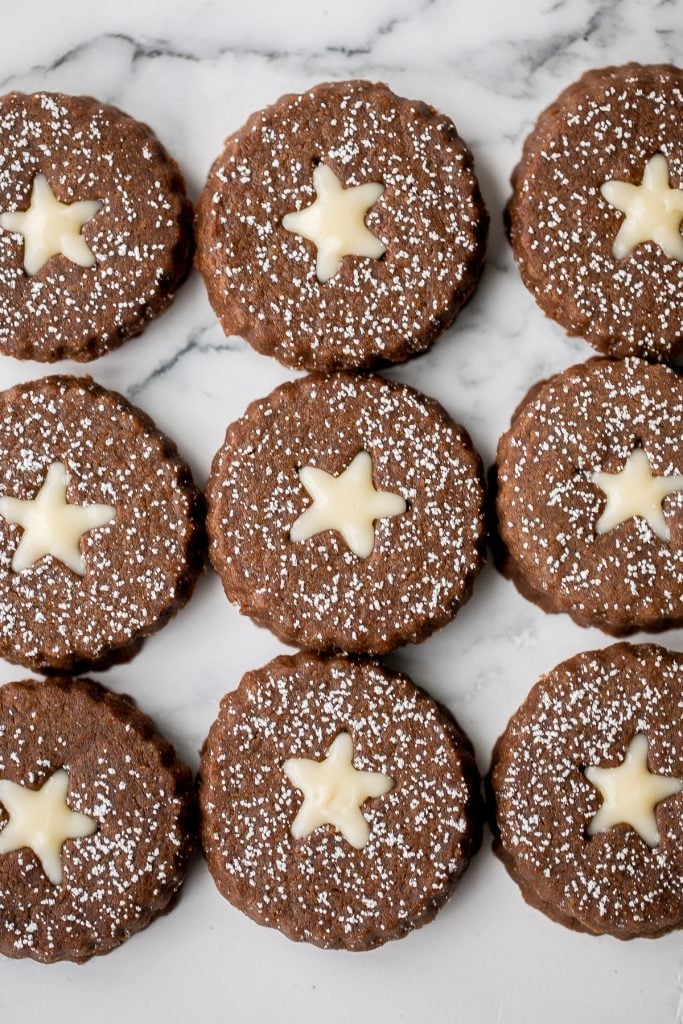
(341, 228)
(101, 532)
(95, 227)
(587, 781)
(345, 512)
(590, 496)
(97, 820)
(595, 216)
(338, 802)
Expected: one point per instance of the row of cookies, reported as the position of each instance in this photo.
(343, 227)
(340, 804)
(345, 512)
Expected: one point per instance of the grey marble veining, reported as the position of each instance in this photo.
(195, 71)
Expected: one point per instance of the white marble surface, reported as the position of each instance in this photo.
(194, 71)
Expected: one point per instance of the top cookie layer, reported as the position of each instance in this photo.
(317, 591)
(605, 127)
(587, 421)
(140, 237)
(261, 277)
(124, 777)
(315, 885)
(586, 712)
(65, 439)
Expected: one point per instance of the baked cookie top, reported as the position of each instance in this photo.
(588, 785)
(341, 227)
(346, 512)
(590, 494)
(101, 533)
(95, 227)
(96, 820)
(597, 208)
(339, 802)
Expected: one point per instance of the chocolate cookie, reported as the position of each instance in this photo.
(341, 228)
(588, 787)
(590, 496)
(338, 802)
(595, 216)
(345, 512)
(96, 820)
(101, 533)
(95, 227)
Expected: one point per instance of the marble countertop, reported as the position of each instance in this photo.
(194, 71)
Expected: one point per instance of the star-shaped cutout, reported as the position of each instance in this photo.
(348, 503)
(50, 525)
(335, 222)
(634, 491)
(630, 793)
(654, 211)
(334, 792)
(50, 227)
(42, 820)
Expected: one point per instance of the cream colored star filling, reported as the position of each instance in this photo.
(42, 820)
(335, 222)
(634, 491)
(51, 526)
(334, 792)
(348, 503)
(630, 793)
(50, 227)
(653, 211)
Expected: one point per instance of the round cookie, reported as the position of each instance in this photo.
(101, 531)
(596, 212)
(338, 802)
(587, 782)
(590, 496)
(390, 251)
(296, 488)
(97, 820)
(79, 278)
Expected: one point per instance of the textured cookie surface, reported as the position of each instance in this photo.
(318, 592)
(318, 887)
(605, 127)
(261, 277)
(125, 777)
(140, 566)
(141, 237)
(593, 419)
(586, 713)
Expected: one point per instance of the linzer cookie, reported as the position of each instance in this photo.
(341, 228)
(338, 802)
(95, 227)
(590, 496)
(97, 820)
(596, 213)
(588, 787)
(345, 512)
(101, 538)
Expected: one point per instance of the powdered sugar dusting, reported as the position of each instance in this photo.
(606, 127)
(586, 420)
(317, 592)
(320, 888)
(586, 712)
(117, 879)
(137, 567)
(87, 152)
(430, 218)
